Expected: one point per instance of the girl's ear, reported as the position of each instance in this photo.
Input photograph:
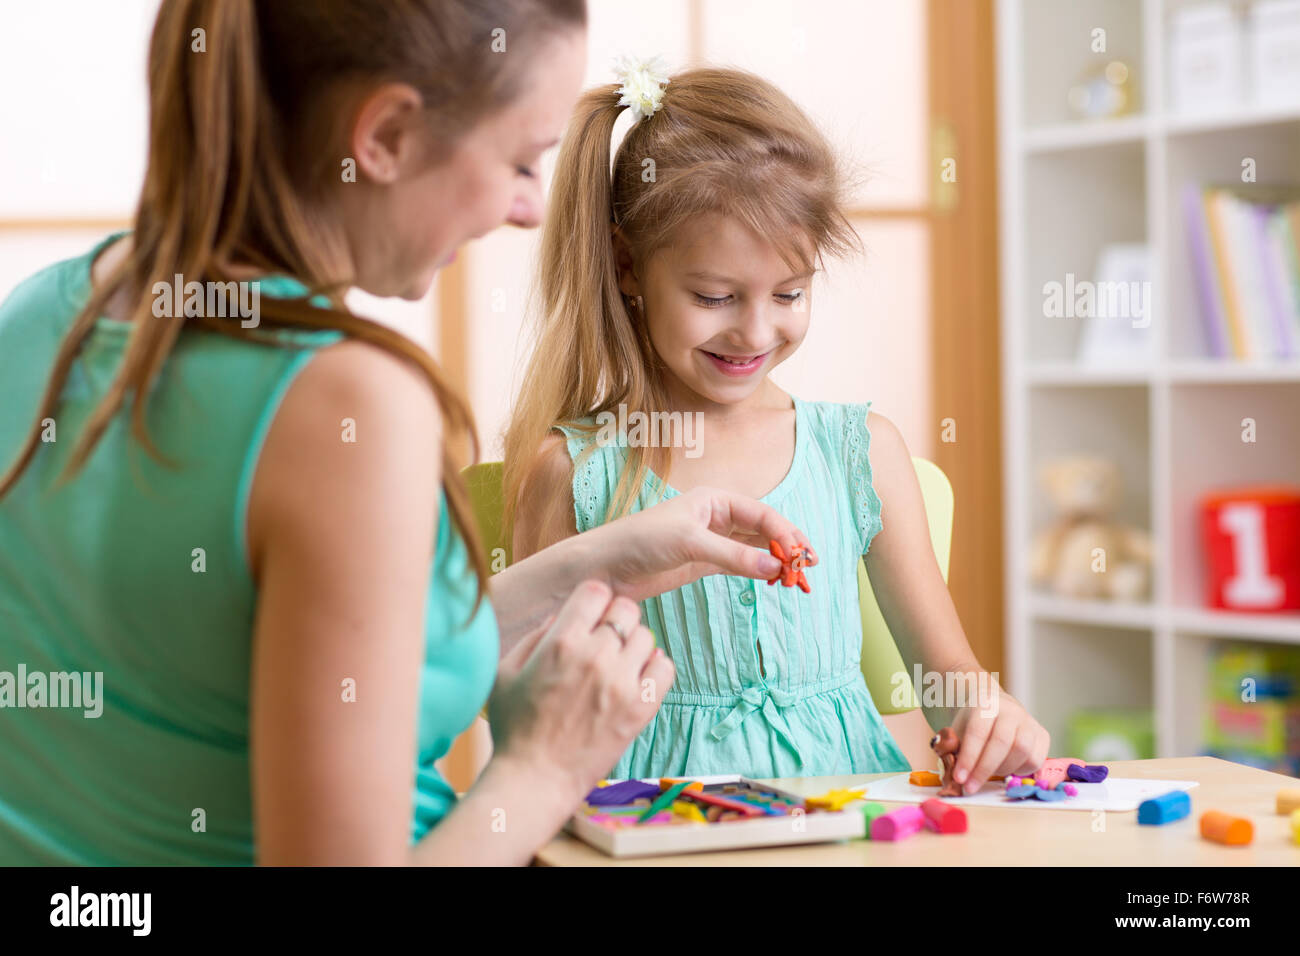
(627, 281)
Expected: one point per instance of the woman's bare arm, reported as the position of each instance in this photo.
(341, 536)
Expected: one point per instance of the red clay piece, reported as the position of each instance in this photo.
(791, 567)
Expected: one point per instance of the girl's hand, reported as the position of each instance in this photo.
(703, 531)
(571, 696)
(998, 737)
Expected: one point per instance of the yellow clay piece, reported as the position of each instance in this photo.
(835, 799)
(688, 811)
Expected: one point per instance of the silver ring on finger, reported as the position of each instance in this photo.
(616, 629)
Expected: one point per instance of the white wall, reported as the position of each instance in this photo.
(73, 119)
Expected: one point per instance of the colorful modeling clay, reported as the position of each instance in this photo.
(1021, 791)
(791, 567)
(924, 778)
(621, 794)
(1054, 770)
(942, 817)
(1089, 773)
(726, 804)
(946, 744)
(665, 800)
(835, 799)
(1288, 801)
(1165, 808)
(1224, 828)
(869, 813)
(1048, 796)
(688, 811)
(1295, 825)
(897, 824)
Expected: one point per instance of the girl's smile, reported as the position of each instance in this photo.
(737, 366)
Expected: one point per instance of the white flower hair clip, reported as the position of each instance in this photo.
(643, 83)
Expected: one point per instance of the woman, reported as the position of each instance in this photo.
(228, 519)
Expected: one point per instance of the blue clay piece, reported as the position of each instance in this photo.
(1093, 773)
(1049, 796)
(1021, 792)
(621, 794)
(1165, 808)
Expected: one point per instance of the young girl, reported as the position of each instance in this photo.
(677, 286)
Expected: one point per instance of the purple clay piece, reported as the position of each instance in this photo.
(621, 794)
(1070, 789)
(1092, 773)
(1021, 792)
(1049, 796)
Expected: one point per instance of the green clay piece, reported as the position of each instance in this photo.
(665, 800)
(869, 813)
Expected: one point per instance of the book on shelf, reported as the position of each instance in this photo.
(1245, 256)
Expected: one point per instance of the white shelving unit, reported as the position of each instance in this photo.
(1174, 425)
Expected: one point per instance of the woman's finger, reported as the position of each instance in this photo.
(621, 618)
(636, 650)
(514, 659)
(725, 556)
(660, 672)
(743, 518)
(581, 612)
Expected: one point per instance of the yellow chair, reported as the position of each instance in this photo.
(880, 658)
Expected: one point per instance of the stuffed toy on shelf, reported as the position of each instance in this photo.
(1085, 552)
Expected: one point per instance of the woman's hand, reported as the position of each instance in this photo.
(703, 531)
(998, 737)
(571, 696)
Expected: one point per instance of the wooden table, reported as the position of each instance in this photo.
(1029, 837)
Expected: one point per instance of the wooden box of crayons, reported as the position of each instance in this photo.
(690, 815)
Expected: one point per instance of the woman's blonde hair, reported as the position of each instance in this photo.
(725, 142)
(244, 153)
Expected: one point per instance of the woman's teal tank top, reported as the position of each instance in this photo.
(126, 600)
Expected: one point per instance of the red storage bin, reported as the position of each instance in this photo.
(1252, 548)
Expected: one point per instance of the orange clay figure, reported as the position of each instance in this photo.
(946, 744)
(792, 567)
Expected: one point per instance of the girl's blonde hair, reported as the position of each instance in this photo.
(725, 142)
(244, 152)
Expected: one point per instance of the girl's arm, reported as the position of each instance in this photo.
(998, 735)
(341, 537)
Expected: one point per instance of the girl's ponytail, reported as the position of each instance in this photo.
(580, 367)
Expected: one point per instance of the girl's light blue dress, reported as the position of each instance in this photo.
(805, 710)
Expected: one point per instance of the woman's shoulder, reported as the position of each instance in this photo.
(60, 287)
(356, 423)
